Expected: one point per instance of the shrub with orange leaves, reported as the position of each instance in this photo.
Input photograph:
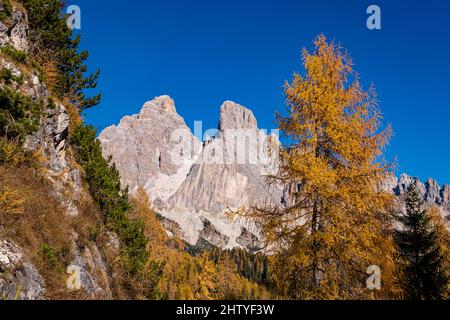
(10, 202)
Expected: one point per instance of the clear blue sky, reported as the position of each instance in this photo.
(205, 52)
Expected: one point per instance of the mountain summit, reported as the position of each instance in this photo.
(193, 183)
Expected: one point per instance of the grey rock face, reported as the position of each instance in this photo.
(51, 140)
(389, 184)
(210, 234)
(19, 31)
(19, 279)
(143, 147)
(15, 33)
(404, 182)
(51, 137)
(249, 240)
(194, 183)
(90, 270)
(445, 196)
(234, 116)
(230, 172)
(431, 192)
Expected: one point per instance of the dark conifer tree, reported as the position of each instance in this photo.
(424, 277)
(56, 48)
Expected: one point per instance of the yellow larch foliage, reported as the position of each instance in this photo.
(207, 277)
(143, 211)
(186, 276)
(336, 222)
(9, 152)
(51, 74)
(10, 202)
(442, 229)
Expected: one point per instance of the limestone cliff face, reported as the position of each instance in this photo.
(231, 170)
(15, 33)
(22, 281)
(147, 151)
(431, 191)
(195, 183)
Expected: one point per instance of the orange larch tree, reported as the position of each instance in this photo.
(335, 222)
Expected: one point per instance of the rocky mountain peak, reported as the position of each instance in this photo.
(235, 116)
(405, 181)
(147, 151)
(431, 191)
(193, 184)
(162, 104)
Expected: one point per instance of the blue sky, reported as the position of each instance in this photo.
(205, 52)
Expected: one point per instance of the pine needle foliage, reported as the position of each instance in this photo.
(104, 183)
(423, 249)
(55, 46)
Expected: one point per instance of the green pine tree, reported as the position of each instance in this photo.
(424, 275)
(56, 50)
(104, 182)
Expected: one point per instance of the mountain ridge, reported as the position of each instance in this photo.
(210, 180)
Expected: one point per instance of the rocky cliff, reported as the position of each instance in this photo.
(193, 183)
(160, 171)
(431, 191)
(58, 178)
